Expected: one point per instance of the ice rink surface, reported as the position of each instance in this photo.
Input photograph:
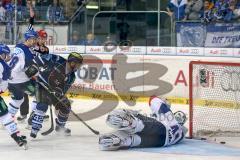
(83, 145)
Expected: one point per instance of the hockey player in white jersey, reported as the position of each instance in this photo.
(137, 130)
(39, 49)
(19, 82)
(5, 118)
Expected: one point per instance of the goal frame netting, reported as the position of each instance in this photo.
(191, 85)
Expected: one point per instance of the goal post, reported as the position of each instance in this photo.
(214, 99)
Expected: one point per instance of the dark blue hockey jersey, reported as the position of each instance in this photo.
(53, 72)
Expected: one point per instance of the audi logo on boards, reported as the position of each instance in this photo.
(189, 51)
(230, 81)
(184, 51)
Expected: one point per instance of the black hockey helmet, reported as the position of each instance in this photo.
(75, 57)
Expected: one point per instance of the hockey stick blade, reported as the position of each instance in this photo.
(80, 119)
(52, 124)
(52, 127)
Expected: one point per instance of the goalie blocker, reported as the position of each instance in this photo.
(58, 75)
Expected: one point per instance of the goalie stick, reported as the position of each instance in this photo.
(80, 119)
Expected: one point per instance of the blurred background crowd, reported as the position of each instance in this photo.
(93, 22)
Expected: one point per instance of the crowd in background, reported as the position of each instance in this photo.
(58, 11)
(52, 11)
(205, 10)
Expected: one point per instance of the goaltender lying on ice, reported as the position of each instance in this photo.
(133, 129)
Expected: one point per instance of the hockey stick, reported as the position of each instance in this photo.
(52, 124)
(80, 119)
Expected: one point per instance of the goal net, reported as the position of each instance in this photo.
(214, 99)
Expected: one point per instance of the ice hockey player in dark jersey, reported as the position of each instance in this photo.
(137, 130)
(5, 118)
(41, 44)
(57, 74)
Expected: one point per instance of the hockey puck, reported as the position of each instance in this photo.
(222, 142)
(203, 139)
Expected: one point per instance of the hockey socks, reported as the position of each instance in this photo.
(12, 129)
(14, 106)
(9, 123)
(61, 129)
(61, 120)
(37, 119)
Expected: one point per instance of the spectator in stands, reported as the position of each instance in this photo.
(237, 10)
(5, 2)
(176, 9)
(2, 12)
(220, 9)
(193, 10)
(55, 12)
(9, 16)
(232, 12)
(20, 10)
(75, 40)
(207, 15)
(9, 7)
(90, 40)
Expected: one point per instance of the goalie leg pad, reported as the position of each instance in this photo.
(118, 140)
(126, 120)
